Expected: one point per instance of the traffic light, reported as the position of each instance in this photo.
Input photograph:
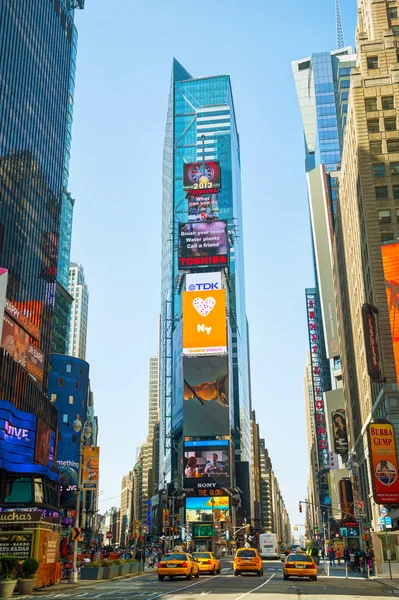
(165, 514)
(136, 525)
(300, 507)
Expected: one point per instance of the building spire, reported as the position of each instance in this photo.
(340, 31)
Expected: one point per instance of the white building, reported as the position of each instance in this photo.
(77, 287)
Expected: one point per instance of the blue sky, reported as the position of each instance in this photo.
(123, 73)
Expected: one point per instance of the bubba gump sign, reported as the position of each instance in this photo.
(383, 462)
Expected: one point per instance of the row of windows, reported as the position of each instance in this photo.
(392, 146)
(61, 383)
(387, 237)
(68, 369)
(384, 216)
(379, 169)
(387, 103)
(381, 192)
(373, 125)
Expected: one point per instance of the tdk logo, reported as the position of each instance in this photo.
(198, 287)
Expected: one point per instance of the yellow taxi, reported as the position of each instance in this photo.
(208, 563)
(177, 564)
(300, 565)
(247, 560)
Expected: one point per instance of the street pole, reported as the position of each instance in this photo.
(74, 578)
(173, 523)
(388, 549)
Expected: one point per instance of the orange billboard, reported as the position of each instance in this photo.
(91, 464)
(384, 462)
(204, 323)
(390, 260)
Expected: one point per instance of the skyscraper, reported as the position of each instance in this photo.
(80, 311)
(201, 140)
(153, 395)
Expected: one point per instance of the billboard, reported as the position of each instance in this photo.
(203, 282)
(200, 509)
(204, 322)
(91, 465)
(43, 448)
(202, 244)
(22, 314)
(18, 449)
(370, 340)
(203, 208)
(206, 464)
(177, 393)
(206, 396)
(390, 261)
(202, 176)
(346, 498)
(383, 462)
(320, 212)
(3, 292)
(16, 341)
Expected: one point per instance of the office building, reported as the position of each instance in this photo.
(201, 140)
(366, 245)
(126, 509)
(153, 395)
(34, 101)
(78, 289)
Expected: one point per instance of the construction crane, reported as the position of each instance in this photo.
(340, 31)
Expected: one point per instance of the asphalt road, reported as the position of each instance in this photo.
(227, 587)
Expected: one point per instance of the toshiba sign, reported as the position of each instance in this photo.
(202, 244)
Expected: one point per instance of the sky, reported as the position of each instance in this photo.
(124, 62)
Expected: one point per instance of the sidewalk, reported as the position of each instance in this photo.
(65, 586)
(392, 584)
(338, 571)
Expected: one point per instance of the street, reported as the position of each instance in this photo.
(227, 587)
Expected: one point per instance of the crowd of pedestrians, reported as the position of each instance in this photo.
(357, 560)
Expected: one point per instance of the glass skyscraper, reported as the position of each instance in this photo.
(201, 125)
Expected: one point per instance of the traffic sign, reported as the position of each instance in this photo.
(76, 533)
(383, 511)
(360, 504)
(109, 535)
(144, 529)
(386, 521)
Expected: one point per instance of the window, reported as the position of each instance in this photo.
(373, 125)
(65, 418)
(381, 192)
(81, 371)
(61, 382)
(372, 62)
(387, 237)
(53, 397)
(344, 95)
(371, 104)
(395, 168)
(384, 216)
(390, 123)
(304, 65)
(70, 399)
(379, 170)
(392, 12)
(18, 490)
(397, 214)
(345, 84)
(376, 147)
(387, 102)
(395, 30)
(345, 71)
(68, 368)
(38, 488)
(393, 145)
(77, 385)
(395, 189)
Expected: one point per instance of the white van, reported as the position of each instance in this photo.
(268, 545)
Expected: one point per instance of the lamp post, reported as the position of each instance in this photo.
(86, 431)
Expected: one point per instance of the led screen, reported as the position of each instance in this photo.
(200, 509)
(206, 462)
(201, 176)
(203, 208)
(202, 244)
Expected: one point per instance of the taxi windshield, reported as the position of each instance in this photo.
(246, 553)
(202, 555)
(299, 558)
(174, 557)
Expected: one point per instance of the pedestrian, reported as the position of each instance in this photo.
(143, 558)
(323, 553)
(362, 557)
(331, 556)
(338, 556)
(352, 560)
(357, 560)
(369, 559)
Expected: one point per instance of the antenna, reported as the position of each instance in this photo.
(340, 31)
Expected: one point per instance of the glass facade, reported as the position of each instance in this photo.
(36, 50)
(201, 124)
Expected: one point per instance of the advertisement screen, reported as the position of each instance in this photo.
(340, 433)
(206, 462)
(203, 208)
(206, 396)
(43, 443)
(370, 340)
(201, 176)
(68, 484)
(16, 341)
(346, 498)
(202, 244)
(203, 282)
(204, 322)
(91, 464)
(390, 261)
(177, 396)
(18, 442)
(199, 509)
(16, 544)
(384, 463)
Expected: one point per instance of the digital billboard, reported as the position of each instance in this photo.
(91, 465)
(383, 462)
(206, 463)
(3, 291)
(204, 322)
(177, 395)
(200, 509)
(204, 282)
(16, 342)
(18, 451)
(202, 244)
(390, 261)
(43, 448)
(340, 433)
(201, 175)
(206, 396)
(203, 208)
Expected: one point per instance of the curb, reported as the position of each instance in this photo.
(391, 586)
(74, 586)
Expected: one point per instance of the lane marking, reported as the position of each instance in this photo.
(257, 588)
(172, 591)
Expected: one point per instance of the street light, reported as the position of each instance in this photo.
(86, 430)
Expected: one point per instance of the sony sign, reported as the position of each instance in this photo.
(203, 282)
(206, 485)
